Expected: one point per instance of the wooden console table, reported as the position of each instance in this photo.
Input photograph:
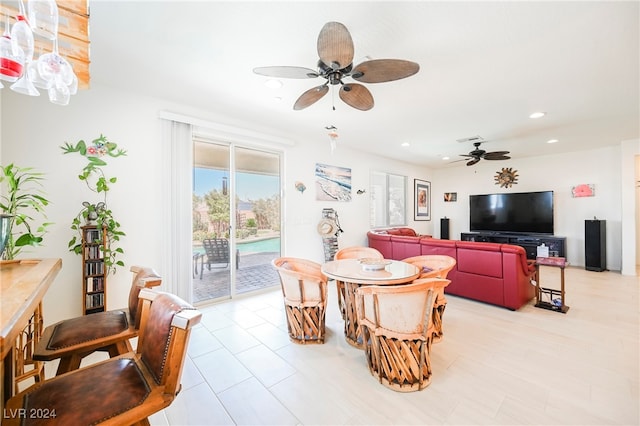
(23, 284)
(558, 262)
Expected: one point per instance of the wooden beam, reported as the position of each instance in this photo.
(73, 35)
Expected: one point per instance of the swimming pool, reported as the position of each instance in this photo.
(268, 245)
(259, 246)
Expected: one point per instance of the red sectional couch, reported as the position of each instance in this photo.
(488, 272)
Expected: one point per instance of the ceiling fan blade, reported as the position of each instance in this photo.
(496, 157)
(286, 72)
(335, 46)
(457, 161)
(496, 153)
(357, 96)
(472, 162)
(310, 97)
(381, 70)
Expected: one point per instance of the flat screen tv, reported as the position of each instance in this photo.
(522, 212)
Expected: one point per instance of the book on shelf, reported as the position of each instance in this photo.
(92, 235)
(93, 252)
(94, 300)
(94, 267)
(95, 284)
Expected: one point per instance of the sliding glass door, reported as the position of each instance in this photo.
(236, 219)
(257, 209)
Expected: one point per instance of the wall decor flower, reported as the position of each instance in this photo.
(506, 177)
(98, 214)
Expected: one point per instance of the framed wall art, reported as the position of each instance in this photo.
(422, 199)
(583, 190)
(333, 183)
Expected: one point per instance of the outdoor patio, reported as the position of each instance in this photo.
(254, 273)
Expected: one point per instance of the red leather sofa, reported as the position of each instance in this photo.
(493, 273)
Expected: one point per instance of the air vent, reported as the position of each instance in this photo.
(471, 139)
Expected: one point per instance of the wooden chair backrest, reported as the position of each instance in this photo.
(398, 311)
(166, 322)
(143, 277)
(433, 265)
(358, 252)
(302, 280)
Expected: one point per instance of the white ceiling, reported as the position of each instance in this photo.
(484, 67)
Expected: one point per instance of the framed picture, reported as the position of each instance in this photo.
(450, 197)
(422, 199)
(333, 183)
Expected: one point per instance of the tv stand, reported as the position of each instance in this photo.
(529, 242)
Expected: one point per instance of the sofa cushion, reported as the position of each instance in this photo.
(404, 246)
(480, 258)
(430, 245)
(409, 232)
(381, 242)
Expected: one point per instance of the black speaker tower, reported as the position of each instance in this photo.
(444, 228)
(595, 245)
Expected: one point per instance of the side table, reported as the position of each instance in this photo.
(555, 304)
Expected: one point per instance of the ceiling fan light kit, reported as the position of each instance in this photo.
(335, 50)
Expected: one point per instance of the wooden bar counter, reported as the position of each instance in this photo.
(23, 284)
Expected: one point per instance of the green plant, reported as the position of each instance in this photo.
(24, 195)
(97, 213)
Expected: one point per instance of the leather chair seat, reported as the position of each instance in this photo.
(80, 330)
(88, 396)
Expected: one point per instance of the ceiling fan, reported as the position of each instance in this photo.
(479, 154)
(335, 49)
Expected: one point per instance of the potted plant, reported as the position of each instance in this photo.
(97, 214)
(24, 199)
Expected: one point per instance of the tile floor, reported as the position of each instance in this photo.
(494, 366)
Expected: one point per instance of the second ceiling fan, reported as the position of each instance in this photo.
(335, 49)
(480, 154)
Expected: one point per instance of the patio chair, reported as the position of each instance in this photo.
(354, 252)
(217, 252)
(439, 266)
(304, 287)
(73, 339)
(397, 328)
(119, 391)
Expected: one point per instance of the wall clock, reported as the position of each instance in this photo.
(506, 177)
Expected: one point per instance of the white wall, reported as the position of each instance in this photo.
(33, 130)
(557, 173)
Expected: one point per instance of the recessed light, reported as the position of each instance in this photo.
(445, 158)
(273, 84)
(538, 114)
(552, 141)
(405, 144)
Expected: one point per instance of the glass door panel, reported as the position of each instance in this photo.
(257, 210)
(212, 253)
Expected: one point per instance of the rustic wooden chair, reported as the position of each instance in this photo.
(304, 287)
(438, 266)
(119, 391)
(397, 328)
(73, 339)
(354, 252)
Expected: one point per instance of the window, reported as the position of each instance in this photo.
(388, 200)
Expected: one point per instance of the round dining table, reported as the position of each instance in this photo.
(355, 273)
